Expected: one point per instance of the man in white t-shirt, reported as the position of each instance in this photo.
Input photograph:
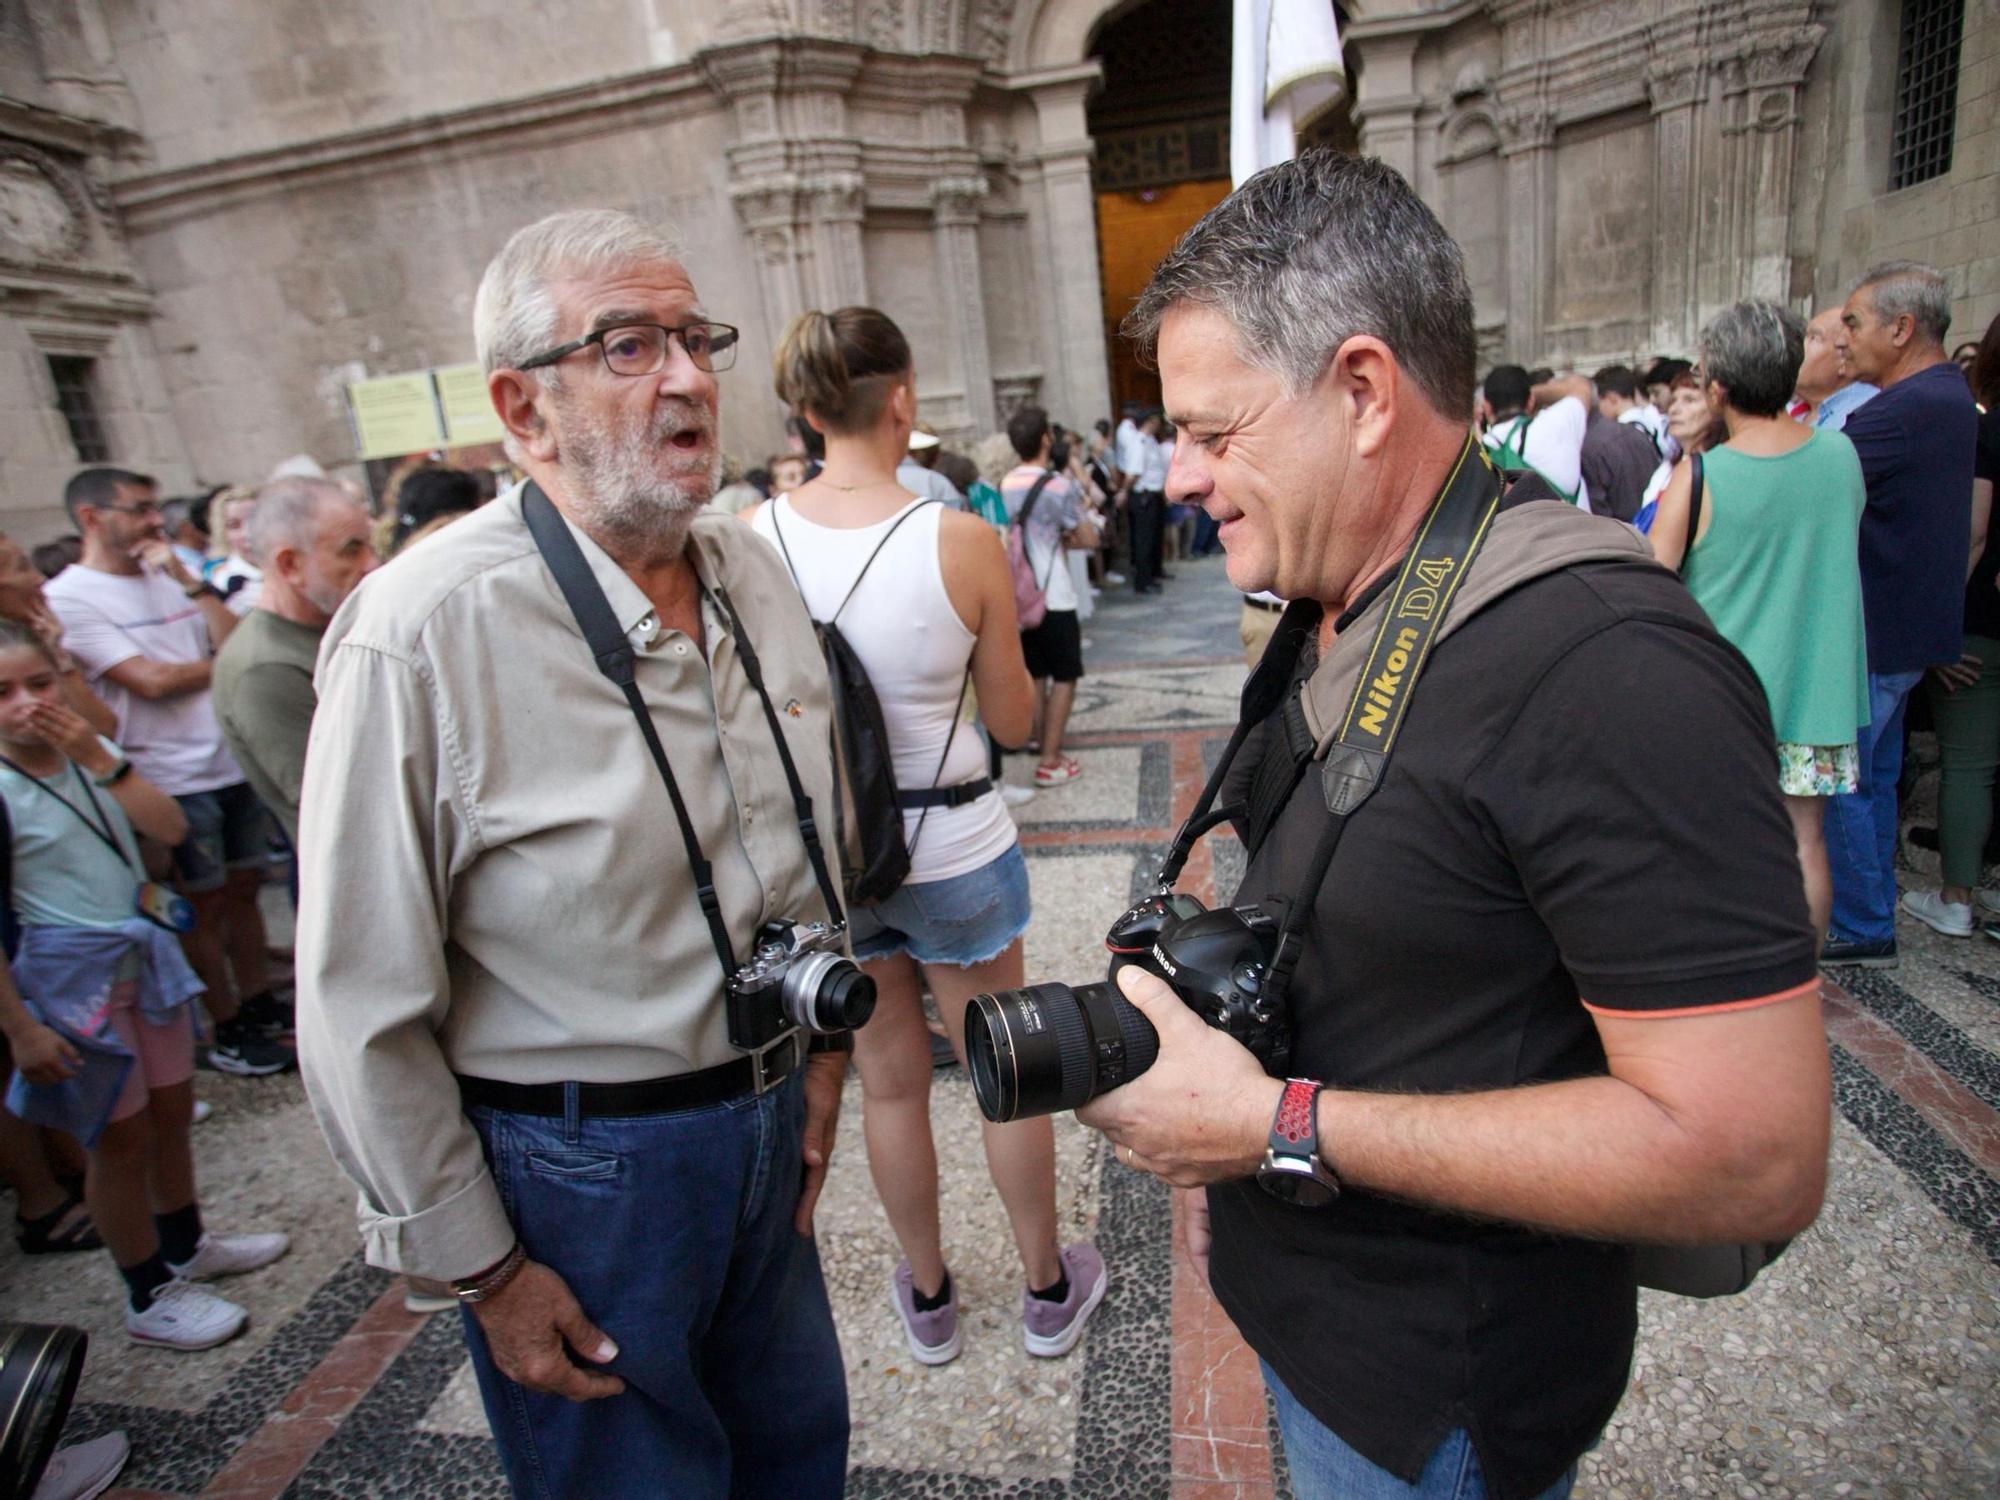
(1054, 648)
(144, 630)
(1619, 399)
(1549, 442)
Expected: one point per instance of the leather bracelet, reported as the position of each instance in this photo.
(491, 1283)
(830, 1041)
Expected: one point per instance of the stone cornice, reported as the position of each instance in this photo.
(22, 121)
(285, 166)
(1406, 23)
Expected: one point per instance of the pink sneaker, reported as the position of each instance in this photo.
(1053, 1328)
(933, 1335)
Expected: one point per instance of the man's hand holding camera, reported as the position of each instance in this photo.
(1199, 1114)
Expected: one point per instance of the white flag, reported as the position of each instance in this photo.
(1284, 71)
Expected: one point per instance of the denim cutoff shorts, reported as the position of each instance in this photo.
(968, 919)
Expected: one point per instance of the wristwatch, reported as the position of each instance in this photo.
(116, 774)
(200, 587)
(1292, 1170)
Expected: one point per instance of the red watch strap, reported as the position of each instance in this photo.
(1296, 1122)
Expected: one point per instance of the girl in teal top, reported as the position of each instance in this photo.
(1776, 563)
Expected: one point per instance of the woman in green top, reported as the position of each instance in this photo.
(1775, 561)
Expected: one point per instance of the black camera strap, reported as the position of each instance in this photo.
(1431, 572)
(616, 659)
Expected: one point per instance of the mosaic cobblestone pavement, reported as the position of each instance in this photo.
(1863, 1364)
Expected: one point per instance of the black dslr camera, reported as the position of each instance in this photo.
(1050, 1047)
(795, 980)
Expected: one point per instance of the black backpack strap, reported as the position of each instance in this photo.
(1695, 487)
(1028, 505)
(921, 504)
(802, 806)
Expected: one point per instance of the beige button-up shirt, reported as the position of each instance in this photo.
(491, 881)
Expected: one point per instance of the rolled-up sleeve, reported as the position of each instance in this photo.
(385, 826)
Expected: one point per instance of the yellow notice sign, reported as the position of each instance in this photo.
(469, 418)
(396, 414)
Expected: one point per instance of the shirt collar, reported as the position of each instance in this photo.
(634, 611)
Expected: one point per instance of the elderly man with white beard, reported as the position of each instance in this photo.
(558, 807)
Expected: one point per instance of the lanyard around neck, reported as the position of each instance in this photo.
(616, 659)
(1419, 600)
(100, 825)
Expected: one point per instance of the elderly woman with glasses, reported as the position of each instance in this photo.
(1771, 551)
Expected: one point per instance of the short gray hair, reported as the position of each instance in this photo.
(1753, 350)
(284, 515)
(1312, 252)
(514, 315)
(1910, 288)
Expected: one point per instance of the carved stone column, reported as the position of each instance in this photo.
(1676, 85)
(1064, 212)
(955, 203)
(1761, 78)
(1385, 108)
(834, 203)
(1527, 152)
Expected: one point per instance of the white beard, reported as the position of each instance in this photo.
(618, 491)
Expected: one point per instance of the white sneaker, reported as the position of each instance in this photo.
(183, 1316)
(231, 1255)
(1988, 902)
(1114, 578)
(1014, 796)
(1950, 918)
(202, 1110)
(83, 1471)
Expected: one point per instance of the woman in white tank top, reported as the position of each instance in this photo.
(924, 597)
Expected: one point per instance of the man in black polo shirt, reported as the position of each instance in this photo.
(1557, 993)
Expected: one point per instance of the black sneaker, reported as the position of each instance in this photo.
(268, 1016)
(239, 1049)
(1875, 955)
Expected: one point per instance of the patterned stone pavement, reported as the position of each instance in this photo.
(1863, 1364)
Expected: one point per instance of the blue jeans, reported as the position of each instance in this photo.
(968, 919)
(1861, 826)
(1325, 1468)
(675, 1233)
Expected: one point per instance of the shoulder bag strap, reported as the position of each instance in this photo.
(1028, 505)
(1695, 487)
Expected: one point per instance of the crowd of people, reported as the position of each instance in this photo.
(522, 1008)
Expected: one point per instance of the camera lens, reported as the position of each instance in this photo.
(825, 992)
(1048, 1047)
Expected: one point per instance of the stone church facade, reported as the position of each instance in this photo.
(214, 214)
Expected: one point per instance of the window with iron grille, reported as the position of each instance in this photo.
(1926, 91)
(76, 398)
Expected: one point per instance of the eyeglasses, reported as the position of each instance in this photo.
(641, 348)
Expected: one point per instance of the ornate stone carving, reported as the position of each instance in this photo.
(1012, 392)
(837, 195)
(1674, 83)
(956, 200)
(992, 24)
(44, 212)
(1527, 127)
(883, 26)
(753, 18)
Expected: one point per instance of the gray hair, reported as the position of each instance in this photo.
(514, 315)
(1312, 252)
(1910, 288)
(285, 513)
(1753, 351)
